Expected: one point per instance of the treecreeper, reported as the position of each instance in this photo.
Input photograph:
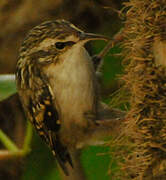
(57, 85)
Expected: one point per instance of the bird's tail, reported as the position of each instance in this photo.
(61, 153)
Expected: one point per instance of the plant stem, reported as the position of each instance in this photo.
(7, 77)
(28, 138)
(12, 150)
(7, 142)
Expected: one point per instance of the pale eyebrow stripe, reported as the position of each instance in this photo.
(46, 43)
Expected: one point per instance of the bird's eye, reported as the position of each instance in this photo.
(60, 45)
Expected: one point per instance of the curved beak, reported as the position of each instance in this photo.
(90, 37)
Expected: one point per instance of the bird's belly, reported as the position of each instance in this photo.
(74, 86)
(76, 98)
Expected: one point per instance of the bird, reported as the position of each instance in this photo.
(57, 85)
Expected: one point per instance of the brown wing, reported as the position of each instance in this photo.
(37, 100)
(45, 118)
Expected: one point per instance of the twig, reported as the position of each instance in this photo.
(7, 142)
(17, 112)
(97, 59)
(28, 137)
(6, 155)
(116, 39)
(7, 77)
(12, 149)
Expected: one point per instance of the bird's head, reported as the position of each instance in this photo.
(53, 38)
(53, 64)
(49, 43)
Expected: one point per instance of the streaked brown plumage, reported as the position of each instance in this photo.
(57, 85)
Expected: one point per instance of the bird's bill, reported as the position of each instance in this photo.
(90, 36)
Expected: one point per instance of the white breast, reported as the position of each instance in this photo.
(74, 83)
